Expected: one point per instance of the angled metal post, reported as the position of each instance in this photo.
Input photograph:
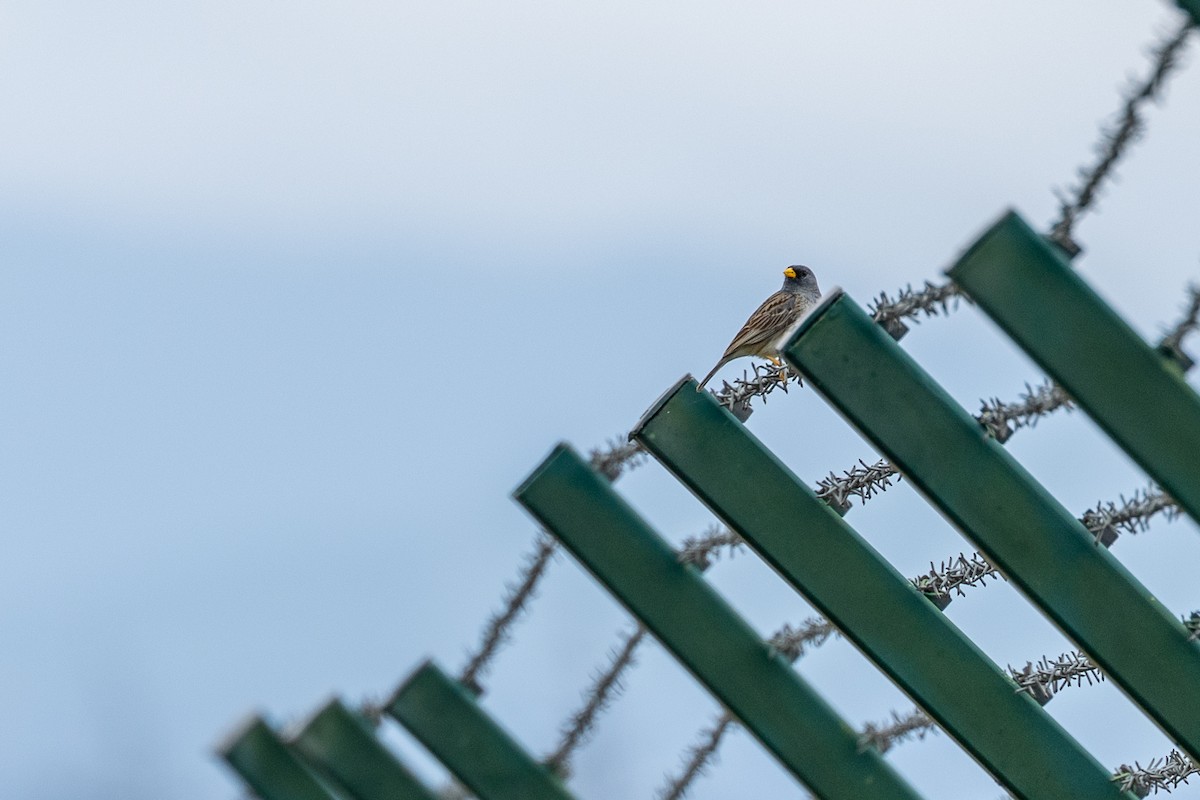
(341, 746)
(674, 602)
(268, 767)
(988, 496)
(446, 719)
(1136, 396)
(874, 606)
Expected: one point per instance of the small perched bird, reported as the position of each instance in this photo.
(778, 312)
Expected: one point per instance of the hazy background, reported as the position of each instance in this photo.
(293, 295)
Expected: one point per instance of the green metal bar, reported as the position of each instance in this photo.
(1192, 7)
(264, 762)
(341, 746)
(876, 607)
(1138, 398)
(446, 719)
(692, 621)
(987, 495)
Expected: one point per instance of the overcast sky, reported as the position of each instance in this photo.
(293, 295)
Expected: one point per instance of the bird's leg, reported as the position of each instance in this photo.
(782, 369)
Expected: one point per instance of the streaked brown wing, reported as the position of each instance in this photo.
(765, 325)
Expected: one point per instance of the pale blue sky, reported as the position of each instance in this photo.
(294, 295)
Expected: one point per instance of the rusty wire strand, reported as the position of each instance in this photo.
(1115, 139)
(701, 551)
(792, 642)
(605, 688)
(497, 630)
(915, 724)
(612, 461)
(789, 641)
(698, 757)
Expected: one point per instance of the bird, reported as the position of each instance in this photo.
(760, 335)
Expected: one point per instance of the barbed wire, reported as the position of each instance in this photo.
(617, 458)
(605, 688)
(915, 724)
(1043, 679)
(941, 583)
(699, 757)
(792, 642)
(1130, 515)
(931, 300)
(1192, 623)
(1003, 419)
(1161, 774)
(954, 574)
(1114, 140)
(612, 461)
(1046, 677)
(497, 629)
(863, 481)
(1172, 342)
(701, 551)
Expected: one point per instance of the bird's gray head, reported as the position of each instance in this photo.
(800, 279)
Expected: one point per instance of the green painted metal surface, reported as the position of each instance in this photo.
(342, 747)
(1192, 7)
(874, 606)
(987, 495)
(446, 719)
(1136, 396)
(268, 767)
(674, 602)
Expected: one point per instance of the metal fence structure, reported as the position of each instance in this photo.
(851, 356)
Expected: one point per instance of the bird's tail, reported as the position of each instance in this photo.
(708, 377)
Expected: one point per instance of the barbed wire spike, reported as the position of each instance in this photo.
(496, 630)
(605, 687)
(1115, 139)
(1165, 774)
(1171, 344)
(698, 757)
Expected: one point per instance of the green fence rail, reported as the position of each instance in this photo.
(673, 601)
(894, 624)
(988, 496)
(1140, 399)
(1192, 7)
(268, 766)
(447, 720)
(342, 746)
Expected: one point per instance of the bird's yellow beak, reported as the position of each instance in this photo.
(789, 273)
